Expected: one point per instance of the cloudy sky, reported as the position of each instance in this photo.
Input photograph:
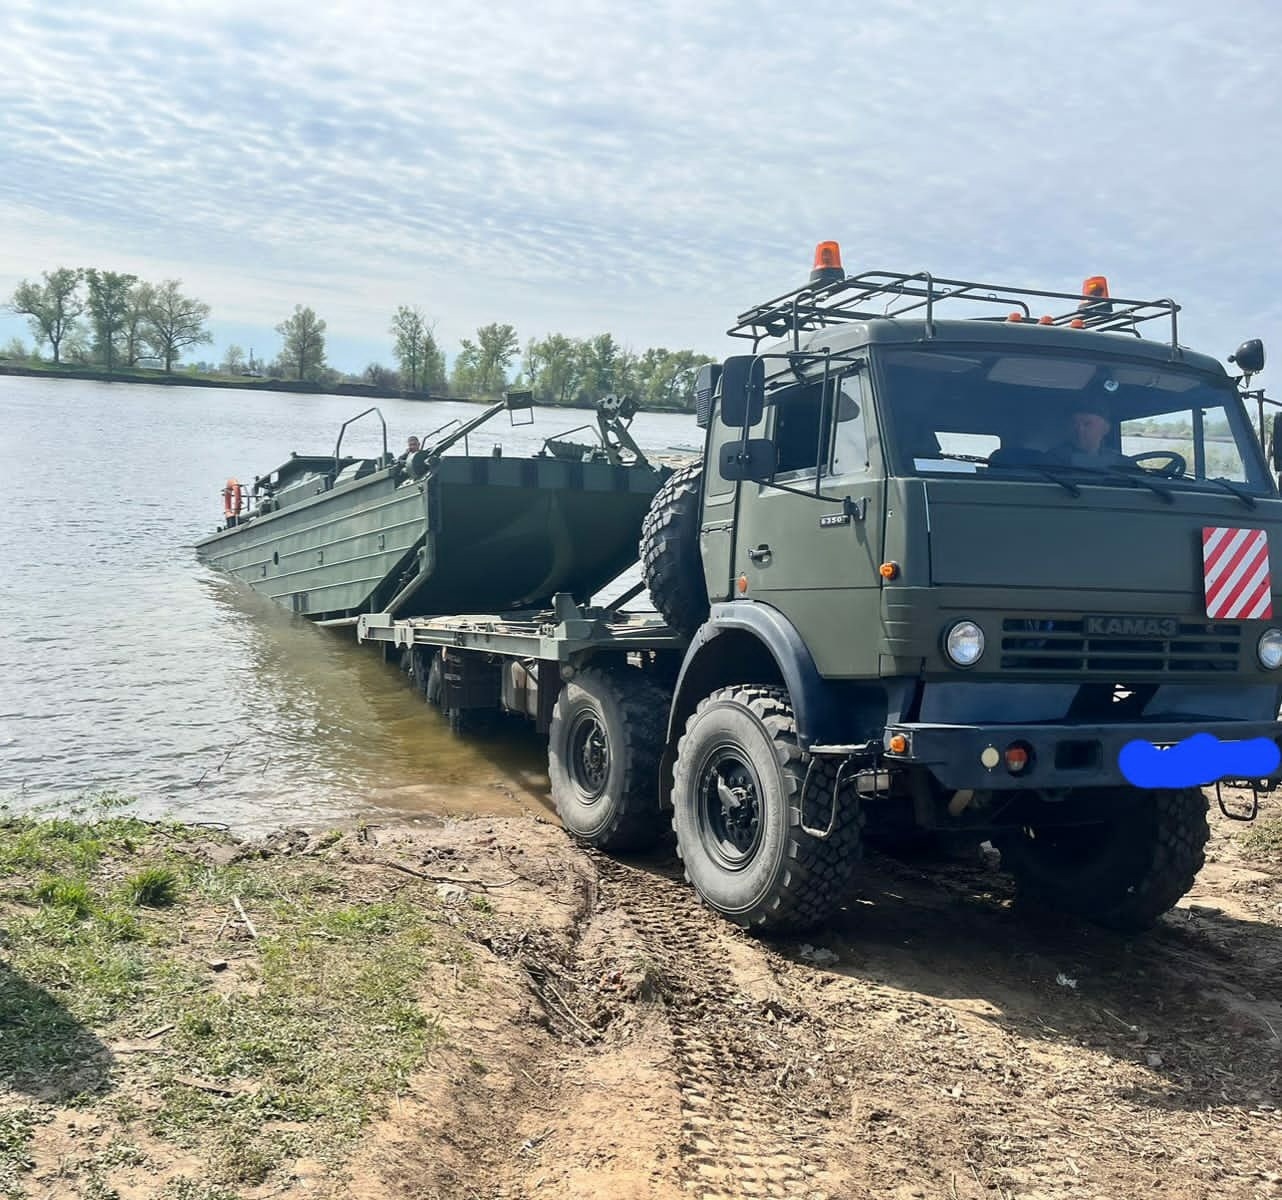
(648, 169)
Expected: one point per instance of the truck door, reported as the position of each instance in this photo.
(716, 527)
(807, 557)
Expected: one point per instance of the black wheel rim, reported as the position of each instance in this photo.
(589, 756)
(729, 806)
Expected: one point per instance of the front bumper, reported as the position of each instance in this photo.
(1059, 756)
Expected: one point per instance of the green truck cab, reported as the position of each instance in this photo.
(1003, 575)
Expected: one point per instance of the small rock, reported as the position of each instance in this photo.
(1154, 1059)
(450, 893)
(1064, 981)
(223, 855)
(216, 964)
(821, 956)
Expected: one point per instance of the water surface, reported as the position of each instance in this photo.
(127, 665)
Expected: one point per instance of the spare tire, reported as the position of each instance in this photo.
(670, 552)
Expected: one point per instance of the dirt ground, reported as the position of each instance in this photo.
(626, 1043)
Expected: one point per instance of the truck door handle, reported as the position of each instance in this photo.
(761, 555)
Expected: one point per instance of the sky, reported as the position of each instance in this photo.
(647, 169)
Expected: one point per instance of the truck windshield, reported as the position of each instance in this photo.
(998, 414)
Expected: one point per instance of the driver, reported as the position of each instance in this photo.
(1090, 423)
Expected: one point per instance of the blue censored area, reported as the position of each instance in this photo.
(1199, 759)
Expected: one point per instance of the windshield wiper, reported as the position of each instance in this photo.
(1138, 480)
(1245, 497)
(1117, 474)
(1068, 485)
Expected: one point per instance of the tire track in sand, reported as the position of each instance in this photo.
(736, 1139)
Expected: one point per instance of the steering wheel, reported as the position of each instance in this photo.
(1175, 465)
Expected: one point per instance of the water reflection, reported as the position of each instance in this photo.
(333, 714)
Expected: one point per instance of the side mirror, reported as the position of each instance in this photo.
(743, 390)
(754, 461)
(1249, 357)
(519, 400)
(1275, 442)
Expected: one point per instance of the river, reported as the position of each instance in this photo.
(126, 666)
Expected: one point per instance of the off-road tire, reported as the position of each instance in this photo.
(619, 811)
(790, 880)
(1124, 875)
(669, 549)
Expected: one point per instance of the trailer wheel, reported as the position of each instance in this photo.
(1122, 874)
(737, 799)
(604, 745)
(670, 552)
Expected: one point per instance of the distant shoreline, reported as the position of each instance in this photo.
(366, 390)
(247, 384)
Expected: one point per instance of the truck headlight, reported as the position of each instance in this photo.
(1269, 650)
(964, 643)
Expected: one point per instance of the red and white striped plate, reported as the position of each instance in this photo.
(1235, 572)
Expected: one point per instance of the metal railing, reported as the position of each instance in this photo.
(898, 294)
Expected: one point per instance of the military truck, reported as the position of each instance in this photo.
(1001, 576)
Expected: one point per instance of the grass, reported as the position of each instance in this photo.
(1263, 840)
(71, 894)
(152, 887)
(111, 928)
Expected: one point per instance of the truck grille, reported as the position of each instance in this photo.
(1033, 644)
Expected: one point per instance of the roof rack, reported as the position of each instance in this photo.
(855, 298)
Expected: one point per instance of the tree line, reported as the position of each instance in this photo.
(114, 320)
(126, 319)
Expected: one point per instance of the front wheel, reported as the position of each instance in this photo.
(737, 812)
(1122, 873)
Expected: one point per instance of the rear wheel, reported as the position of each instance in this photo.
(604, 746)
(737, 812)
(1123, 873)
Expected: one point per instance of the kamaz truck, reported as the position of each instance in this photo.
(960, 560)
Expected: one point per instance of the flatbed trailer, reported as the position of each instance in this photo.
(562, 634)
(508, 661)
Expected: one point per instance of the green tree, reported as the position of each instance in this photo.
(176, 321)
(304, 351)
(421, 360)
(52, 306)
(552, 366)
(432, 366)
(408, 328)
(135, 334)
(380, 376)
(109, 293)
(669, 377)
(233, 360)
(598, 365)
(466, 367)
(496, 348)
